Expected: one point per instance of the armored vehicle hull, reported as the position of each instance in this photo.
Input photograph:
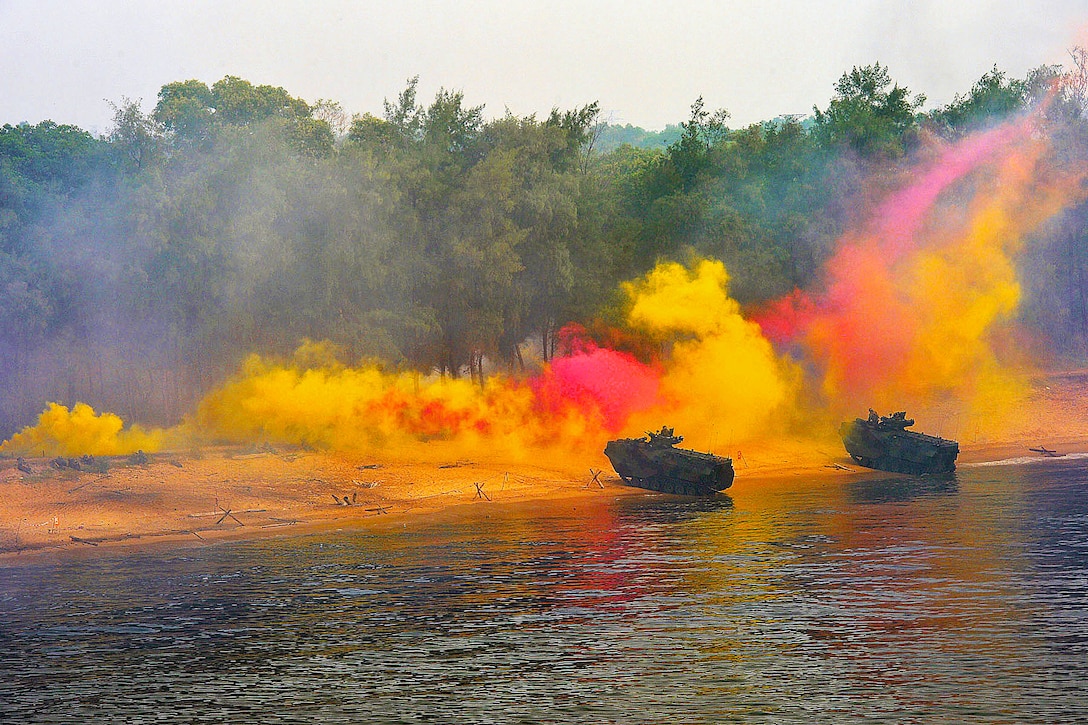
(655, 464)
(884, 444)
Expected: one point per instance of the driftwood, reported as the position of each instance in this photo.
(219, 512)
(73, 490)
(83, 541)
(480, 493)
(226, 513)
(435, 495)
(250, 456)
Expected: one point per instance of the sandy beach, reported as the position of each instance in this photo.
(200, 496)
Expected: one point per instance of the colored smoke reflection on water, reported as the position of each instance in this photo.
(865, 599)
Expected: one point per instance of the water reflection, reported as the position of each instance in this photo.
(875, 600)
(895, 489)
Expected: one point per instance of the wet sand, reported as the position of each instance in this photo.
(221, 493)
(197, 497)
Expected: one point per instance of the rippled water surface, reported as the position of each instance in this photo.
(854, 600)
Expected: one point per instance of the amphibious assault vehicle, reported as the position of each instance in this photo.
(655, 463)
(882, 442)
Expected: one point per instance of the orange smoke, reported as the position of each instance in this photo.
(913, 305)
(911, 313)
(717, 377)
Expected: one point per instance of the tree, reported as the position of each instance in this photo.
(991, 99)
(544, 195)
(186, 110)
(690, 154)
(40, 166)
(451, 128)
(135, 136)
(867, 115)
(238, 102)
(332, 113)
(26, 307)
(1075, 86)
(581, 130)
(405, 116)
(369, 130)
(192, 114)
(311, 137)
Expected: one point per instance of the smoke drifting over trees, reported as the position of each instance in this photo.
(137, 270)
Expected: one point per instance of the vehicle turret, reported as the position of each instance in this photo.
(884, 443)
(655, 463)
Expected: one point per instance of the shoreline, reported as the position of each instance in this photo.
(230, 494)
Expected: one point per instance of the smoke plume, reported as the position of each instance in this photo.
(913, 309)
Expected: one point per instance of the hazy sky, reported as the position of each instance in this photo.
(645, 62)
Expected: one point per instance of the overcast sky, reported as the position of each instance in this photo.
(645, 62)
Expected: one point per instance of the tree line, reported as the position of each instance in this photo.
(139, 267)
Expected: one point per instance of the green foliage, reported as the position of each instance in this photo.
(448, 126)
(406, 116)
(613, 136)
(992, 99)
(26, 307)
(55, 158)
(192, 114)
(311, 137)
(40, 165)
(134, 138)
(690, 154)
(370, 130)
(229, 221)
(579, 128)
(238, 102)
(186, 109)
(869, 114)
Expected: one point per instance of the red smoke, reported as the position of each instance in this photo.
(599, 383)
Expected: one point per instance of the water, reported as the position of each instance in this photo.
(882, 599)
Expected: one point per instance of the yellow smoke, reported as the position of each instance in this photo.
(79, 431)
(964, 288)
(722, 381)
(369, 410)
